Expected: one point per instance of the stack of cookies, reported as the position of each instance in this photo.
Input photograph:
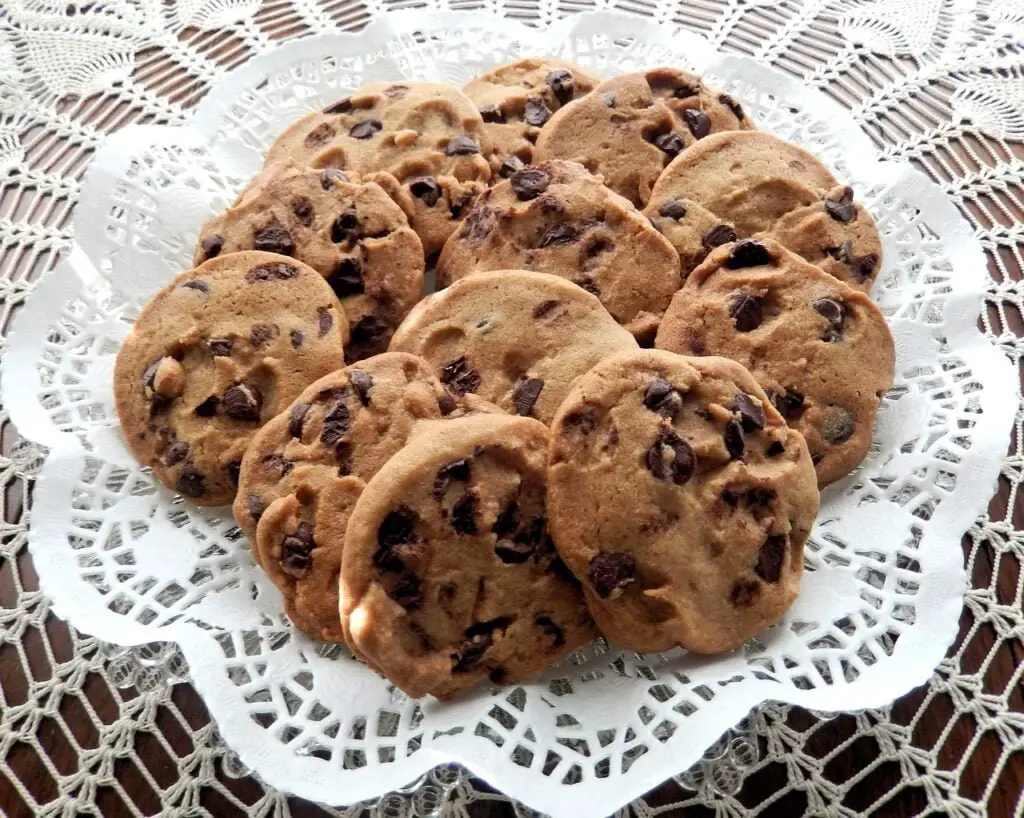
(471, 484)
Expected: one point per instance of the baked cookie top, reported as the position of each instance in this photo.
(215, 354)
(680, 499)
(820, 349)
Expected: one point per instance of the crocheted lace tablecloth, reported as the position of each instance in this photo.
(90, 728)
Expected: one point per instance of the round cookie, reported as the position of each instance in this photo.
(628, 128)
(820, 349)
(310, 463)
(351, 233)
(427, 136)
(516, 100)
(558, 218)
(448, 574)
(747, 183)
(515, 338)
(215, 354)
(680, 499)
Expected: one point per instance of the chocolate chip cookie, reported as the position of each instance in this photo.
(448, 574)
(558, 218)
(311, 462)
(427, 136)
(515, 338)
(630, 127)
(214, 355)
(680, 499)
(351, 233)
(516, 100)
(750, 184)
(820, 349)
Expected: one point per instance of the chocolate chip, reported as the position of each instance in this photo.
(562, 84)
(342, 106)
(457, 470)
(234, 470)
(584, 421)
(672, 210)
(272, 271)
(536, 113)
(336, 423)
(296, 418)
(529, 183)
(492, 113)
(298, 337)
(191, 482)
(663, 398)
(559, 235)
(396, 529)
(175, 453)
(775, 448)
(259, 334)
(479, 638)
(198, 285)
(745, 311)
(446, 404)
(328, 176)
(276, 463)
(732, 105)
(609, 98)
(513, 552)
(464, 513)
(208, 408)
(843, 253)
(837, 424)
(396, 91)
(242, 402)
(347, 278)
(697, 122)
(273, 238)
(212, 245)
(685, 91)
(835, 313)
(324, 320)
(508, 520)
(751, 414)
(220, 347)
(841, 209)
(367, 336)
(365, 129)
(790, 404)
(733, 436)
(427, 189)
(297, 552)
(254, 505)
(320, 135)
(770, 558)
(456, 208)
(407, 592)
(744, 592)
(611, 570)
(864, 267)
(525, 395)
(669, 143)
(509, 166)
(748, 253)
(548, 626)
(671, 458)
(654, 224)
(460, 376)
(717, 236)
(303, 210)
(462, 146)
(544, 307)
(343, 226)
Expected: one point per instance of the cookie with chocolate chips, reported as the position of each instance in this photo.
(448, 574)
(680, 499)
(515, 338)
(820, 349)
(427, 137)
(630, 127)
(516, 100)
(304, 470)
(350, 232)
(558, 218)
(214, 355)
(750, 184)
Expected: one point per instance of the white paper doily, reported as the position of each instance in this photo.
(123, 560)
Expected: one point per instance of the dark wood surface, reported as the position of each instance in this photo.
(821, 737)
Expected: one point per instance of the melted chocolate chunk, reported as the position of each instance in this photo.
(717, 236)
(663, 398)
(685, 91)
(492, 113)
(770, 558)
(732, 105)
(459, 376)
(548, 626)
(508, 520)
(344, 226)
(697, 122)
(362, 383)
(562, 84)
(259, 334)
(303, 210)
(365, 129)
(585, 422)
(457, 470)
(211, 245)
(529, 183)
(746, 312)
(544, 307)
(328, 176)
(297, 552)
(751, 414)
(611, 570)
(670, 144)
(272, 271)
(342, 106)
(790, 403)
(254, 505)
(525, 395)
(837, 424)
(733, 436)
(509, 166)
(336, 423)
(464, 513)
(671, 458)
(831, 310)
(324, 320)
(775, 448)
(842, 209)
(748, 253)
(843, 253)
(176, 452)
(744, 592)
(513, 552)
(478, 639)
(864, 267)
(208, 408)
(427, 189)
(220, 347)
(536, 113)
(198, 285)
(559, 235)
(446, 404)
(347, 278)
(242, 402)
(462, 145)
(297, 418)
(273, 238)
(276, 463)
(366, 337)
(395, 530)
(320, 135)
(673, 210)
(407, 592)
(191, 482)
(298, 338)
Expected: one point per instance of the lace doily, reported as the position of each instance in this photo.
(930, 294)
